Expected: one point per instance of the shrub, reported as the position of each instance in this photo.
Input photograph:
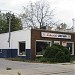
(57, 53)
(43, 59)
(72, 58)
(53, 60)
(60, 56)
(51, 51)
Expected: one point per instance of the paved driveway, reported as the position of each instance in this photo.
(25, 68)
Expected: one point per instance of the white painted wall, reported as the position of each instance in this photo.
(16, 36)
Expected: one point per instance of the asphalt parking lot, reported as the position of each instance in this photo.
(26, 68)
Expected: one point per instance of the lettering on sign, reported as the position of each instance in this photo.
(55, 35)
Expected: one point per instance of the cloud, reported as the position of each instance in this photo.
(13, 5)
(65, 9)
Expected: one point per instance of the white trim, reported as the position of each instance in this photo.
(21, 55)
(39, 55)
(45, 41)
(41, 41)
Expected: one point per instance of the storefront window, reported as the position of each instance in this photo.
(22, 50)
(57, 42)
(41, 46)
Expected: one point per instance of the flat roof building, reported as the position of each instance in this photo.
(30, 42)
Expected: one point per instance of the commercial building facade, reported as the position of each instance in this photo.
(30, 43)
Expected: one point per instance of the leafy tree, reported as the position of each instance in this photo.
(2, 22)
(37, 14)
(15, 22)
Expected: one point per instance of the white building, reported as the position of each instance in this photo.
(27, 41)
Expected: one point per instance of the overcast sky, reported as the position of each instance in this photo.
(64, 9)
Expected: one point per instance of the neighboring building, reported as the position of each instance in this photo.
(32, 42)
(61, 28)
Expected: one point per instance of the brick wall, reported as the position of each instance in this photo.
(36, 35)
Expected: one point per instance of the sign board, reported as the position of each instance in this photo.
(64, 43)
(55, 35)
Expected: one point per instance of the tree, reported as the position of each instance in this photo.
(37, 14)
(4, 22)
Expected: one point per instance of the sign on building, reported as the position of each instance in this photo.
(55, 35)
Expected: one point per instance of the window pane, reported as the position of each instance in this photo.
(57, 42)
(41, 46)
(22, 48)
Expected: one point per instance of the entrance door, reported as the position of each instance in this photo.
(70, 47)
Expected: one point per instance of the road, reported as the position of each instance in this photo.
(26, 68)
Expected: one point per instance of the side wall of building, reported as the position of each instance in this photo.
(15, 38)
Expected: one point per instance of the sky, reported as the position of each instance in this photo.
(64, 9)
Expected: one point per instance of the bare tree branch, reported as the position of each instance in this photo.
(38, 14)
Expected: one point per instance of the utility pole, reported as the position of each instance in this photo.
(9, 28)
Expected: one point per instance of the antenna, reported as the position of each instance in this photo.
(73, 24)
